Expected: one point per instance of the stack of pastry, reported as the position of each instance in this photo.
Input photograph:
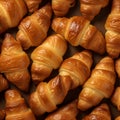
(51, 49)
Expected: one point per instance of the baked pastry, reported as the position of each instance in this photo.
(12, 11)
(2, 114)
(101, 112)
(32, 5)
(67, 112)
(14, 63)
(116, 98)
(3, 83)
(47, 96)
(33, 29)
(61, 7)
(100, 84)
(47, 56)
(117, 67)
(78, 31)
(16, 108)
(91, 8)
(112, 34)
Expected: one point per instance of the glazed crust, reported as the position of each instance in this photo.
(33, 29)
(94, 90)
(78, 31)
(14, 63)
(47, 56)
(112, 34)
(48, 95)
(12, 11)
(91, 8)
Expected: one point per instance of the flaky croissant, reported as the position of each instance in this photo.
(16, 108)
(116, 98)
(67, 112)
(47, 56)
(2, 114)
(12, 11)
(14, 63)
(100, 84)
(78, 31)
(33, 29)
(48, 95)
(90, 8)
(32, 5)
(101, 112)
(117, 118)
(3, 83)
(117, 67)
(112, 34)
(61, 7)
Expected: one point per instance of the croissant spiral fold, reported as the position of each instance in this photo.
(78, 31)
(16, 108)
(112, 34)
(48, 95)
(14, 63)
(33, 29)
(47, 56)
(101, 112)
(91, 8)
(12, 11)
(61, 7)
(67, 112)
(100, 84)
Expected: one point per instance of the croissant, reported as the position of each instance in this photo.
(117, 118)
(32, 5)
(47, 56)
(16, 108)
(14, 63)
(61, 7)
(116, 98)
(101, 112)
(67, 112)
(3, 83)
(112, 34)
(117, 67)
(78, 31)
(48, 95)
(91, 8)
(33, 29)
(12, 11)
(100, 84)
(2, 114)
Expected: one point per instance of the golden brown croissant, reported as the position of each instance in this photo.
(3, 83)
(67, 112)
(117, 118)
(61, 7)
(117, 67)
(33, 29)
(12, 11)
(112, 34)
(100, 84)
(116, 98)
(90, 8)
(101, 112)
(2, 114)
(48, 95)
(32, 5)
(47, 56)
(16, 108)
(14, 63)
(78, 31)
